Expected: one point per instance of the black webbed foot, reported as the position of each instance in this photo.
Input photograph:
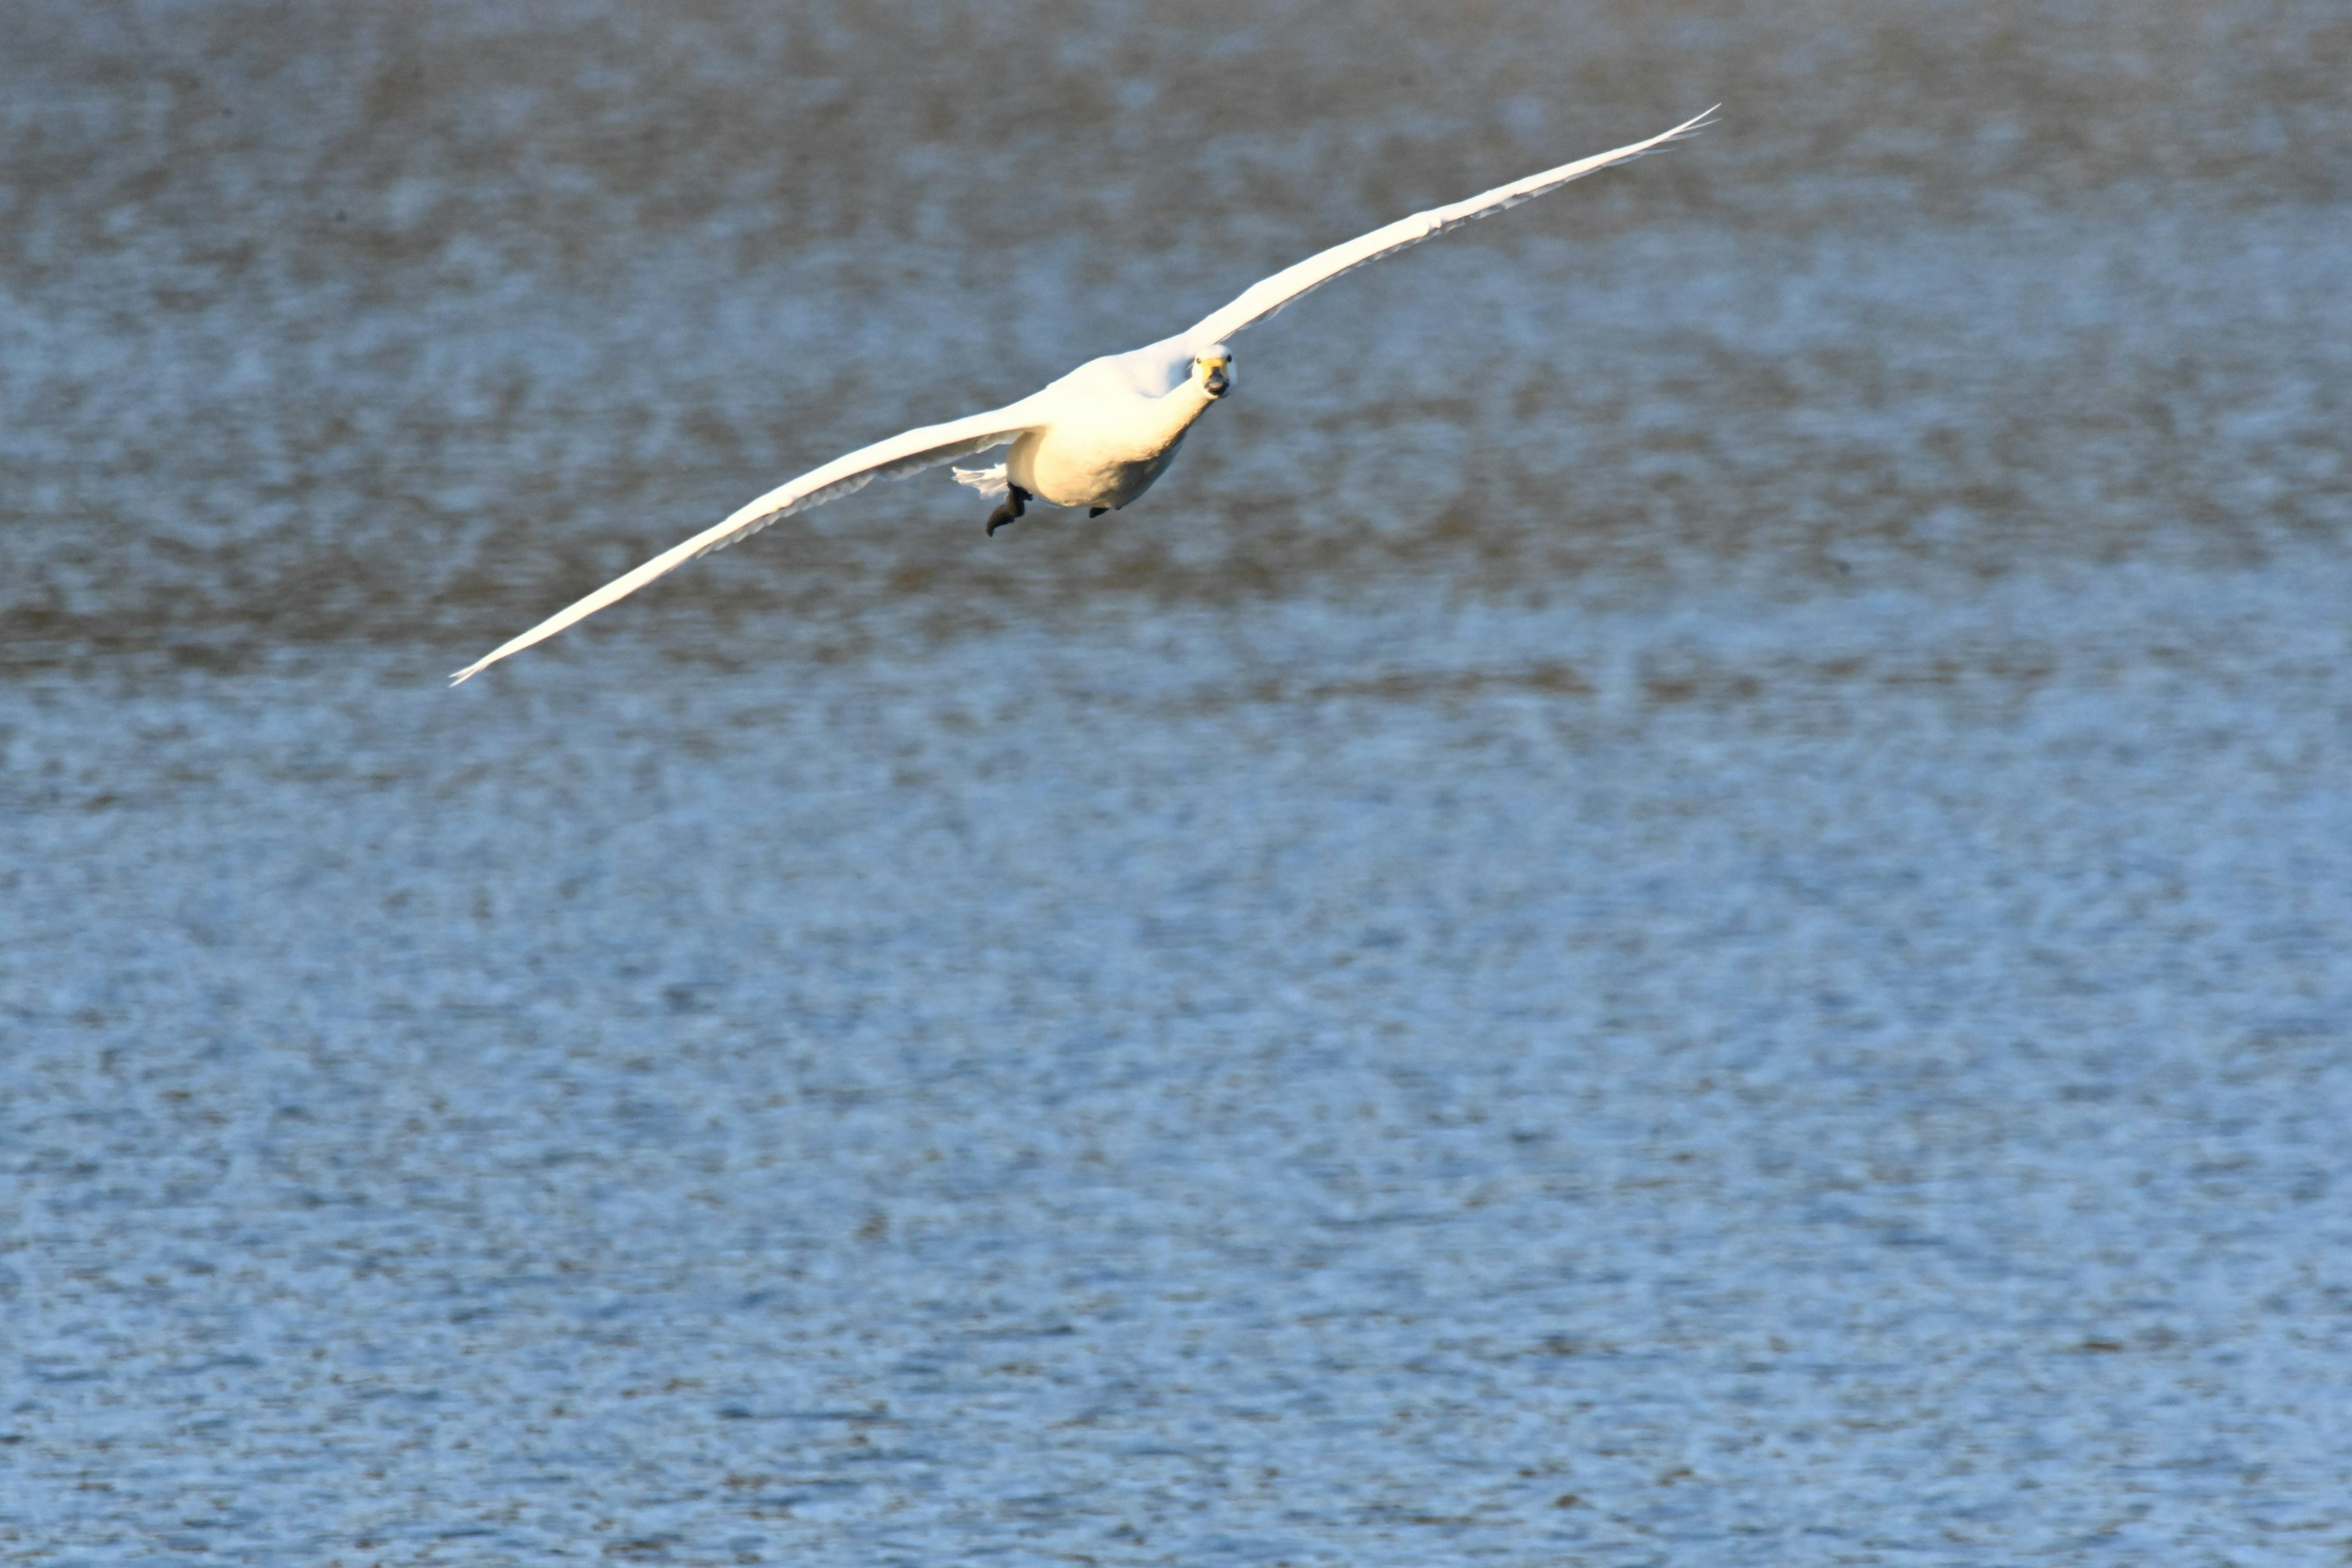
(1097, 510)
(1016, 501)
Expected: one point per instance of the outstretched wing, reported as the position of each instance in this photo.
(907, 452)
(1268, 295)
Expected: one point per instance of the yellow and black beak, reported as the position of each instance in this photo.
(1215, 382)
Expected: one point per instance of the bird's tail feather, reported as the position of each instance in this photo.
(989, 482)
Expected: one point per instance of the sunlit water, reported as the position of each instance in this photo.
(1685, 896)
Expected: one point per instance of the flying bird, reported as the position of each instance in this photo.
(1099, 436)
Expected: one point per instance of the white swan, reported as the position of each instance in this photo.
(1099, 436)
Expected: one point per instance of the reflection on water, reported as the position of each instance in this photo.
(1683, 894)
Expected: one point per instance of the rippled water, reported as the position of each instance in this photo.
(1684, 897)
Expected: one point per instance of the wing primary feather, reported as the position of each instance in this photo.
(1269, 296)
(907, 452)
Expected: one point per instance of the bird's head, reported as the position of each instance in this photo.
(1213, 369)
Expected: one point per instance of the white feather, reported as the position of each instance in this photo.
(989, 482)
(1270, 295)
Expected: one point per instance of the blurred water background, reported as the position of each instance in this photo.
(1683, 898)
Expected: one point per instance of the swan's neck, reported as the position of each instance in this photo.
(1181, 407)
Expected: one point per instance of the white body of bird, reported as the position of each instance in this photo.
(1099, 437)
(1111, 426)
